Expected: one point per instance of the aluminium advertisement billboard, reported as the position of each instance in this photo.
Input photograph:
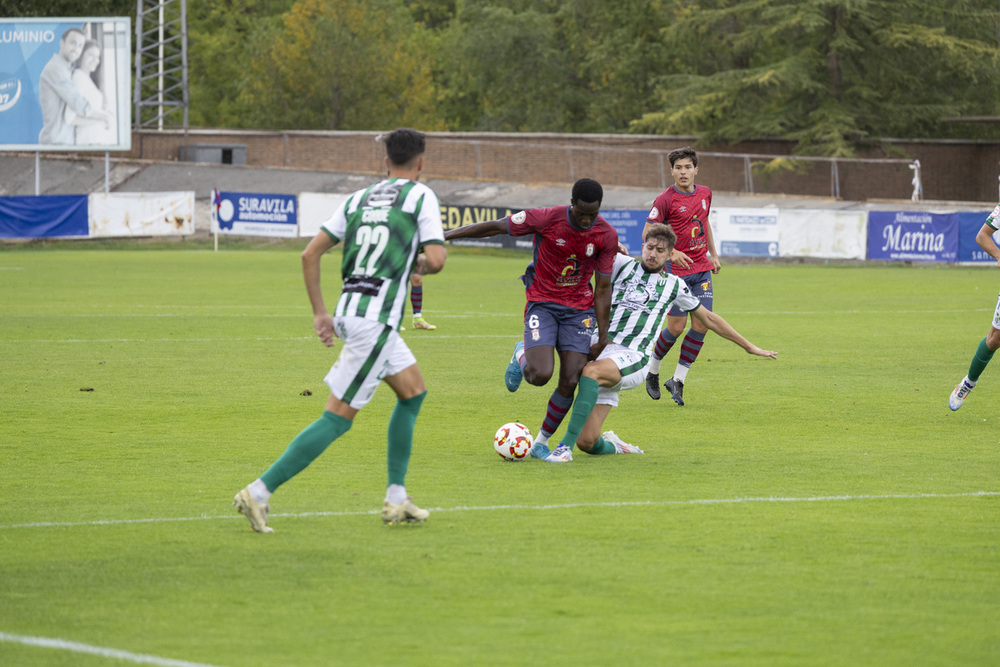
(65, 84)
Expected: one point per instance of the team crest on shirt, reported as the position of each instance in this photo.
(519, 217)
(590, 250)
(704, 206)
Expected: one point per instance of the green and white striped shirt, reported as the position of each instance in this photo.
(640, 301)
(994, 218)
(383, 228)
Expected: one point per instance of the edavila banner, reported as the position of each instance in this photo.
(65, 84)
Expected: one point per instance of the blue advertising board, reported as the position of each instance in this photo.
(629, 224)
(43, 217)
(65, 84)
(254, 214)
(913, 236)
(969, 225)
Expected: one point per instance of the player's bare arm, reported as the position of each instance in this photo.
(311, 257)
(477, 230)
(602, 309)
(985, 240)
(715, 323)
(431, 260)
(680, 259)
(713, 253)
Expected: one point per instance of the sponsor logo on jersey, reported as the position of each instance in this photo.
(560, 242)
(519, 217)
(682, 208)
(590, 250)
(571, 269)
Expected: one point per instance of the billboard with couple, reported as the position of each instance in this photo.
(65, 83)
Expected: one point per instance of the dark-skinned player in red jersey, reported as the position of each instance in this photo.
(571, 244)
(685, 207)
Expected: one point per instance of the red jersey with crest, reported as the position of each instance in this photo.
(687, 214)
(565, 256)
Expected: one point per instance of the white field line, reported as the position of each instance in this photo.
(212, 311)
(559, 506)
(422, 337)
(77, 647)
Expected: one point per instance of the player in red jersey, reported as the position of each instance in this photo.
(571, 244)
(685, 207)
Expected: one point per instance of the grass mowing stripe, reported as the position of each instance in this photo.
(555, 506)
(77, 647)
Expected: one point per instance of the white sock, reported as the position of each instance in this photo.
(542, 439)
(259, 491)
(417, 315)
(654, 365)
(681, 373)
(395, 494)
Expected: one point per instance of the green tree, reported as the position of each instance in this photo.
(829, 74)
(341, 64)
(222, 37)
(67, 8)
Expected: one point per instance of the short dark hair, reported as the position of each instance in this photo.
(404, 144)
(587, 190)
(663, 232)
(681, 153)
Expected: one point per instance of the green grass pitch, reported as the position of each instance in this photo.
(822, 509)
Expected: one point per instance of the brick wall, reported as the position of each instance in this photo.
(950, 170)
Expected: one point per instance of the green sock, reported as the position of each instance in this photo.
(586, 398)
(401, 424)
(602, 446)
(979, 361)
(304, 449)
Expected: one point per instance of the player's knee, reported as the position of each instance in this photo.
(585, 444)
(535, 377)
(993, 339)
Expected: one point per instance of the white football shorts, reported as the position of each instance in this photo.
(632, 365)
(371, 351)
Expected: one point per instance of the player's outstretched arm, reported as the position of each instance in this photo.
(715, 323)
(477, 230)
(985, 240)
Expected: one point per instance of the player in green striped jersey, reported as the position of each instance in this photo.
(990, 344)
(389, 230)
(641, 295)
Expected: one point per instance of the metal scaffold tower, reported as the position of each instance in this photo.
(161, 66)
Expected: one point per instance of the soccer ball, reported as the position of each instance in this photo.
(513, 441)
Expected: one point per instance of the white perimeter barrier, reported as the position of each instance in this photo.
(315, 208)
(823, 233)
(141, 214)
(776, 232)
